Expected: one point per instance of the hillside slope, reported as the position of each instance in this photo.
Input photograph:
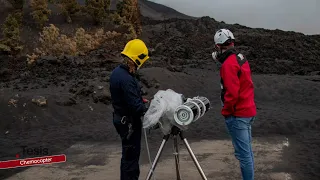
(269, 51)
(160, 12)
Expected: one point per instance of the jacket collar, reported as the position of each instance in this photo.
(123, 66)
(126, 67)
(222, 57)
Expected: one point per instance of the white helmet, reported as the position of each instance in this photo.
(222, 36)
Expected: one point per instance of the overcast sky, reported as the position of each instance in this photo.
(294, 15)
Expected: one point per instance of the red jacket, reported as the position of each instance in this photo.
(237, 90)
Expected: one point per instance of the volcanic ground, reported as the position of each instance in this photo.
(77, 118)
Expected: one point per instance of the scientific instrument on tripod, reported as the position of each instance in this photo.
(172, 112)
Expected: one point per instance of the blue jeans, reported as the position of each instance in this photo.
(240, 132)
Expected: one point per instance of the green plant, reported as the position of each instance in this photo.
(11, 33)
(117, 19)
(40, 11)
(98, 9)
(69, 8)
(130, 12)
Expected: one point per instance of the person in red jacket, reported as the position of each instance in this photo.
(237, 98)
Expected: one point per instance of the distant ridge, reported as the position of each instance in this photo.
(159, 12)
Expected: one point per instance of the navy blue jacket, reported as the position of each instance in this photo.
(126, 93)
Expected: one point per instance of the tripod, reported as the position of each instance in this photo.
(175, 131)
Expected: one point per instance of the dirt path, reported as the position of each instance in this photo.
(100, 161)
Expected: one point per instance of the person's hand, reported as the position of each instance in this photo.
(145, 100)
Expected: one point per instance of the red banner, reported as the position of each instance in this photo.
(33, 161)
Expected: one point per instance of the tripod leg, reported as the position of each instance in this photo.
(155, 162)
(193, 157)
(176, 156)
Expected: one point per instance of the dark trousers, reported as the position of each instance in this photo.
(129, 167)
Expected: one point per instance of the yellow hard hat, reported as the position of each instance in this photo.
(137, 51)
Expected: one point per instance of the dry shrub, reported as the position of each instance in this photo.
(32, 58)
(40, 11)
(11, 33)
(56, 44)
(86, 42)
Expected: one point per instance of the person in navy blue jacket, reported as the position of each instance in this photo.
(129, 106)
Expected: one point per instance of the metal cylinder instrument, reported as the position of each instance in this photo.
(191, 111)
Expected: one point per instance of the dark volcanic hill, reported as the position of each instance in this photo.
(269, 51)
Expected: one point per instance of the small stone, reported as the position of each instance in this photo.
(13, 102)
(157, 85)
(40, 101)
